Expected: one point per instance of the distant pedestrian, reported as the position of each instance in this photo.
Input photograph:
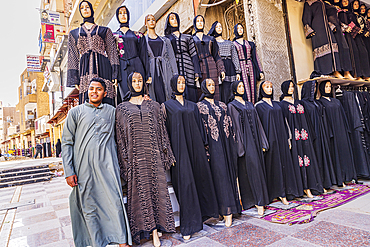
(58, 148)
(91, 167)
(38, 150)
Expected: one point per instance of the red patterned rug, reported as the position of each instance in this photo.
(306, 211)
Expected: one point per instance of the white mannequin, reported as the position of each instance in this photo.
(240, 90)
(267, 88)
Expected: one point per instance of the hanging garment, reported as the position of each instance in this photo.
(92, 53)
(144, 154)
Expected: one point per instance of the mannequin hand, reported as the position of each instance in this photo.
(77, 87)
(197, 82)
(72, 180)
(264, 149)
(238, 77)
(149, 81)
(262, 76)
(349, 29)
(290, 146)
(367, 34)
(223, 75)
(146, 97)
(115, 82)
(361, 31)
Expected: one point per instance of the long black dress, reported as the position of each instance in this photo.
(221, 149)
(283, 179)
(133, 56)
(335, 25)
(251, 139)
(357, 133)
(340, 143)
(191, 175)
(316, 118)
(324, 45)
(156, 46)
(92, 53)
(364, 55)
(303, 153)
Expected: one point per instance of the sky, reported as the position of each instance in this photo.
(20, 26)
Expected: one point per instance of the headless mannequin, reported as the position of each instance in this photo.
(137, 84)
(240, 91)
(173, 22)
(220, 39)
(241, 41)
(200, 25)
(291, 101)
(211, 88)
(122, 16)
(267, 87)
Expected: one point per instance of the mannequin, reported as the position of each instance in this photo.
(324, 44)
(144, 153)
(302, 151)
(211, 65)
(282, 177)
(315, 116)
(191, 174)
(186, 55)
(220, 148)
(230, 59)
(251, 141)
(162, 62)
(366, 36)
(133, 52)
(85, 63)
(249, 63)
(340, 145)
(343, 49)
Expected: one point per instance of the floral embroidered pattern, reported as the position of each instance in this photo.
(227, 121)
(212, 124)
(300, 109)
(308, 31)
(297, 135)
(300, 161)
(304, 134)
(306, 161)
(292, 109)
(217, 111)
(324, 50)
(203, 109)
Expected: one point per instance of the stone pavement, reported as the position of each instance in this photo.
(13, 164)
(47, 223)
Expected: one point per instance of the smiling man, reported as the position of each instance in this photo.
(91, 168)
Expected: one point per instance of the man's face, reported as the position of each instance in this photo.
(96, 92)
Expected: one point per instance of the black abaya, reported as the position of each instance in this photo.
(156, 46)
(282, 177)
(251, 139)
(191, 174)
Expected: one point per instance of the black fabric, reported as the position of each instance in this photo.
(317, 119)
(212, 31)
(195, 22)
(206, 93)
(339, 140)
(157, 45)
(283, 179)
(302, 151)
(191, 174)
(173, 83)
(251, 140)
(322, 89)
(127, 23)
(285, 88)
(89, 19)
(262, 94)
(237, 36)
(168, 29)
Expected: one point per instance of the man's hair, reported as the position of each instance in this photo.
(101, 81)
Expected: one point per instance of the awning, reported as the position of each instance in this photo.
(69, 102)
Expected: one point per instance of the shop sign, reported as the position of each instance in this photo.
(49, 17)
(33, 63)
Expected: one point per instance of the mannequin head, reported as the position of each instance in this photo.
(208, 89)
(210, 85)
(345, 3)
(355, 5)
(238, 31)
(180, 84)
(150, 21)
(240, 88)
(368, 13)
(267, 87)
(85, 9)
(325, 88)
(216, 29)
(291, 88)
(137, 82)
(122, 15)
(219, 28)
(173, 20)
(363, 9)
(328, 87)
(198, 23)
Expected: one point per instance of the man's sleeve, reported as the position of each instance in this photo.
(68, 139)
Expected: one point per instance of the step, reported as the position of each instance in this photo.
(21, 173)
(23, 182)
(25, 168)
(25, 177)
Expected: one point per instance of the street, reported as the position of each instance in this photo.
(47, 223)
